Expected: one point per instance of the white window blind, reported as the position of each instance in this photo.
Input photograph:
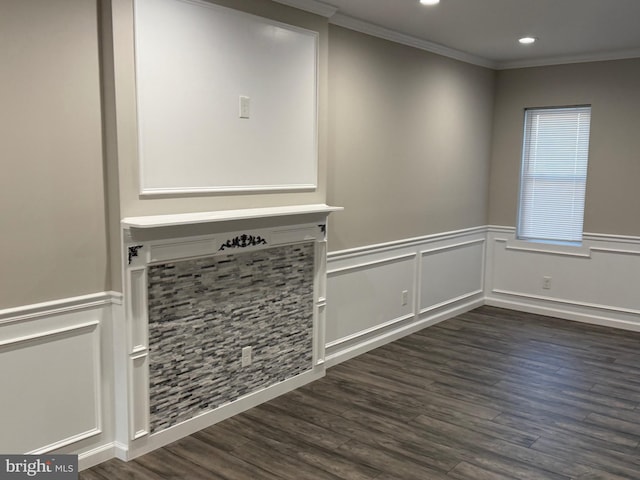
(554, 174)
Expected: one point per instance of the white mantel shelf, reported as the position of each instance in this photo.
(157, 221)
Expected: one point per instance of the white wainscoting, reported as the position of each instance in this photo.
(598, 282)
(56, 374)
(441, 274)
(57, 360)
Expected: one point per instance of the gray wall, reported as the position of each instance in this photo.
(52, 211)
(405, 140)
(613, 196)
(409, 141)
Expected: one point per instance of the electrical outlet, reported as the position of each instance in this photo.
(546, 283)
(246, 356)
(405, 297)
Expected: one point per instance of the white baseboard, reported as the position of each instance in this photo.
(566, 311)
(340, 355)
(121, 451)
(96, 455)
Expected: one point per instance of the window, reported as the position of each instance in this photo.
(554, 174)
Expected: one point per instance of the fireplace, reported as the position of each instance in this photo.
(224, 310)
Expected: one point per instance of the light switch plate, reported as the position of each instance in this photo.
(245, 107)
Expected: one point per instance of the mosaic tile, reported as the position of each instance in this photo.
(202, 312)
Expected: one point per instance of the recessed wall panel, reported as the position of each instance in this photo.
(227, 101)
(450, 273)
(368, 295)
(50, 389)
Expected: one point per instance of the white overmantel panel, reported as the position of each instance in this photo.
(157, 221)
(226, 100)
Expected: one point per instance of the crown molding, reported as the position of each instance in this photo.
(549, 61)
(313, 6)
(341, 20)
(387, 34)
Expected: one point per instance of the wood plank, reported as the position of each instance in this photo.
(219, 462)
(125, 471)
(168, 465)
(389, 462)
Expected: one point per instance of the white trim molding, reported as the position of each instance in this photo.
(48, 333)
(563, 60)
(182, 219)
(409, 242)
(57, 307)
(102, 453)
(312, 6)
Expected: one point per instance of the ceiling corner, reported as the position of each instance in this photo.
(394, 36)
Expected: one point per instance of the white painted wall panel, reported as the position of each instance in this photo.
(364, 289)
(50, 388)
(606, 278)
(597, 282)
(451, 272)
(56, 372)
(368, 295)
(193, 62)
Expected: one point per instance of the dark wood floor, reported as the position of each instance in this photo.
(491, 394)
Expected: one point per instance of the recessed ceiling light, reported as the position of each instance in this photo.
(429, 2)
(527, 40)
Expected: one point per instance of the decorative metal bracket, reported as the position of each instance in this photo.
(243, 241)
(133, 252)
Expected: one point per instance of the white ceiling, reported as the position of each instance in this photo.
(485, 32)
